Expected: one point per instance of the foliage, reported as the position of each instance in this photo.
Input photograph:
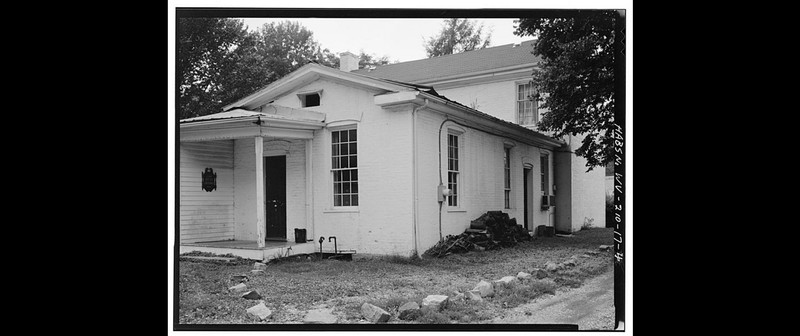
(577, 74)
(457, 35)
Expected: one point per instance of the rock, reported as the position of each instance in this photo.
(260, 310)
(374, 313)
(539, 273)
(408, 310)
(551, 266)
(257, 272)
(260, 266)
(504, 281)
(523, 275)
(484, 288)
(474, 295)
(459, 297)
(605, 247)
(569, 262)
(593, 253)
(322, 315)
(238, 288)
(251, 295)
(407, 306)
(437, 302)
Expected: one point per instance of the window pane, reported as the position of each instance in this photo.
(343, 162)
(455, 164)
(353, 149)
(345, 200)
(337, 187)
(354, 187)
(353, 161)
(455, 152)
(335, 150)
(345, 176)
(353, 135)
(335, 163)
(337, 176)
(343, 136)
(345, 188)
(354, 200)
(354, 175)
(343, 149)
(337, 200)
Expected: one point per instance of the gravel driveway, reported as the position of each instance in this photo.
(590, 306)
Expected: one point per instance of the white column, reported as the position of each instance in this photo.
(309, 191)
(261, 225)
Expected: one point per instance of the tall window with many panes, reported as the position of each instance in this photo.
(527, 106)
(507, 180)
(344, 166)
(452, 169)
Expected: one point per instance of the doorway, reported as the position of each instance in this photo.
(527, 197)
(275, 197)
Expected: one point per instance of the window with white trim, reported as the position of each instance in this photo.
(527, 106)
(545, 173)
(452, 169)
(507, 179)
(344, 167)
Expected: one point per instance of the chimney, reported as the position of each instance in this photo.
(348, 61)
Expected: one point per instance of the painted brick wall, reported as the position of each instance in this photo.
(245, 189)
(381, 224)
(482, 172)
(206, 216)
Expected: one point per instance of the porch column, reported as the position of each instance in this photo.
(261, 225)
(309, 190)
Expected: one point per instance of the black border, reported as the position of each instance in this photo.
(345, 13)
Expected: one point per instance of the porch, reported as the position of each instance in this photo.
(249, 249)
(245, 182)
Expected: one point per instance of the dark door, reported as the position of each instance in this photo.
(275, 196)
(525, 197)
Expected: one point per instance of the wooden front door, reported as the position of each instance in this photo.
(275, 196)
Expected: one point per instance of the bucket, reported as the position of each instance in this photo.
(299, 235)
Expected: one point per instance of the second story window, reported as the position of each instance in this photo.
(527, 106)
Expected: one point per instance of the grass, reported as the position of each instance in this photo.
(387, 282)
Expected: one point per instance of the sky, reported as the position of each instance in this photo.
(399, 39)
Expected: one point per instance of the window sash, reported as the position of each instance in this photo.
(545, 174)
(527, 110)
(453, 171)
(344, 167)
(507, 177)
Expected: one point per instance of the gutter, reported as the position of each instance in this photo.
(414, 175)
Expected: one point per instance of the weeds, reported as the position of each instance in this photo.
(516, 294)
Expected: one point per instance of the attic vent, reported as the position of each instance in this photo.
(310, 99)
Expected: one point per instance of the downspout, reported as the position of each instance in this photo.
(414, 174)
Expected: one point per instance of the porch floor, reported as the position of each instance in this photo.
(243, 244)
(249, 248)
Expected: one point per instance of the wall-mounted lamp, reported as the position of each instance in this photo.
(209, 180)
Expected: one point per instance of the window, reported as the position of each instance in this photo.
(309, 99)
(344, 153)
(545, 171)
(507, 185)
(527, 106)
(452, 169)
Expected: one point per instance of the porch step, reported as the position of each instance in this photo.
(225, 259)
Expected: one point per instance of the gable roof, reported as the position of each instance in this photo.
(504, 56)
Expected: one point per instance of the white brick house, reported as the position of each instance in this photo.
(359, 157)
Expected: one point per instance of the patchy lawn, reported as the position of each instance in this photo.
(291, 288)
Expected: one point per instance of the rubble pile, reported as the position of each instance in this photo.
(492, 230)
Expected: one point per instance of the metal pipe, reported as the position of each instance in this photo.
(335, 249)
(321, 239)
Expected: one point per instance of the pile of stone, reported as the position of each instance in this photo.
(492, 230)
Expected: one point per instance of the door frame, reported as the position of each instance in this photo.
(264, 158)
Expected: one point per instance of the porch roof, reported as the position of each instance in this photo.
(278, 122)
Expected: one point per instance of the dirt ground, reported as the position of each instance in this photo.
(590, 306)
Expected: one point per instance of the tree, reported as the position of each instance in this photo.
(577, 74)
(219, 61)
(371, 61)
(204, 53)
(457, 35)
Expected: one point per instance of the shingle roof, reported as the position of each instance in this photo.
(455, 64)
